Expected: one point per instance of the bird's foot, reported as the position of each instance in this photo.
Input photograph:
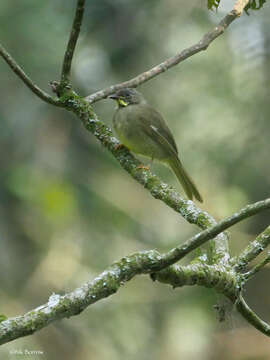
(144, 167)
(120, 147)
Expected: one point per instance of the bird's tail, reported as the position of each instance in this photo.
(184, 179)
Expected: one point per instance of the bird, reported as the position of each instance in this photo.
(143, 130)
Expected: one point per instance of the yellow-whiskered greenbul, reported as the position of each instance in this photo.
(143, 130)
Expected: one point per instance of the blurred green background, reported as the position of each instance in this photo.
(67, 209)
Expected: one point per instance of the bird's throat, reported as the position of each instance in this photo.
(122, 103)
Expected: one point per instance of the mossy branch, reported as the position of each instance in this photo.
(257, 267)
(251, 317)
(253, 250)
(220, 277)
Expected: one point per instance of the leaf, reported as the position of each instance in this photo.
(254, 5)
(213, 4)
(3, 317)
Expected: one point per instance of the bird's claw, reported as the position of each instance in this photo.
(144, 167)
(120, 147)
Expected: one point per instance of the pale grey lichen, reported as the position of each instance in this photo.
(54, 300)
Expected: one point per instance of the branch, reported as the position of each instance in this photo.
(223, 281)
(169, 63)
(109, 282)
(253, 250)
(26, 79)
(211, 276)
(257, 268)
(240, 6)
(251, 317)
(74, 34)
(179, 252)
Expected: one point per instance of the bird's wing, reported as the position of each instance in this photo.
(155, 126)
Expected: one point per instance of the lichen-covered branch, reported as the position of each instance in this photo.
(211, 276)
(180, 251)
(222, 278)
(253, 250)
(203, 44)
(251, 317)
(26, 79)
(257, 267)
(227, 282)
(74, 34)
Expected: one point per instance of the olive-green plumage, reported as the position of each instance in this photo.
(144, 131)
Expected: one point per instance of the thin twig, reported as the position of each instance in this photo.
(74, 34)
(251, 317)
(257, 268)
(169, 63)
(26, 79)
(253, 250)
(109, 282)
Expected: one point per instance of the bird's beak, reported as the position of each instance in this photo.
(113, 97)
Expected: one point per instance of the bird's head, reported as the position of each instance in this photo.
(127, 96)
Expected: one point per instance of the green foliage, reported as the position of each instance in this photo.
(213, 4)
(254, 5)
(3, 317)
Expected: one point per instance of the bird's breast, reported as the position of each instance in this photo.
(131, 133)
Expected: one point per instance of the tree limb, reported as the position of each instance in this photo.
(179, 252)
(74, 34)
(240, 6)
(251, 317)
(257, 267)
(227, 283)
(203, 44)
(145, 262)
(253, 250)
(26, 79)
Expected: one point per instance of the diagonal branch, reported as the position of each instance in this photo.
(26, 79)
(179, 252)
(251, 317)
(109, 282)
(257, 267)
(74, 34)
(253, 250)
(203, 44)
(240, 6)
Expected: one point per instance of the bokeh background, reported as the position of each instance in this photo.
(67, 209)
